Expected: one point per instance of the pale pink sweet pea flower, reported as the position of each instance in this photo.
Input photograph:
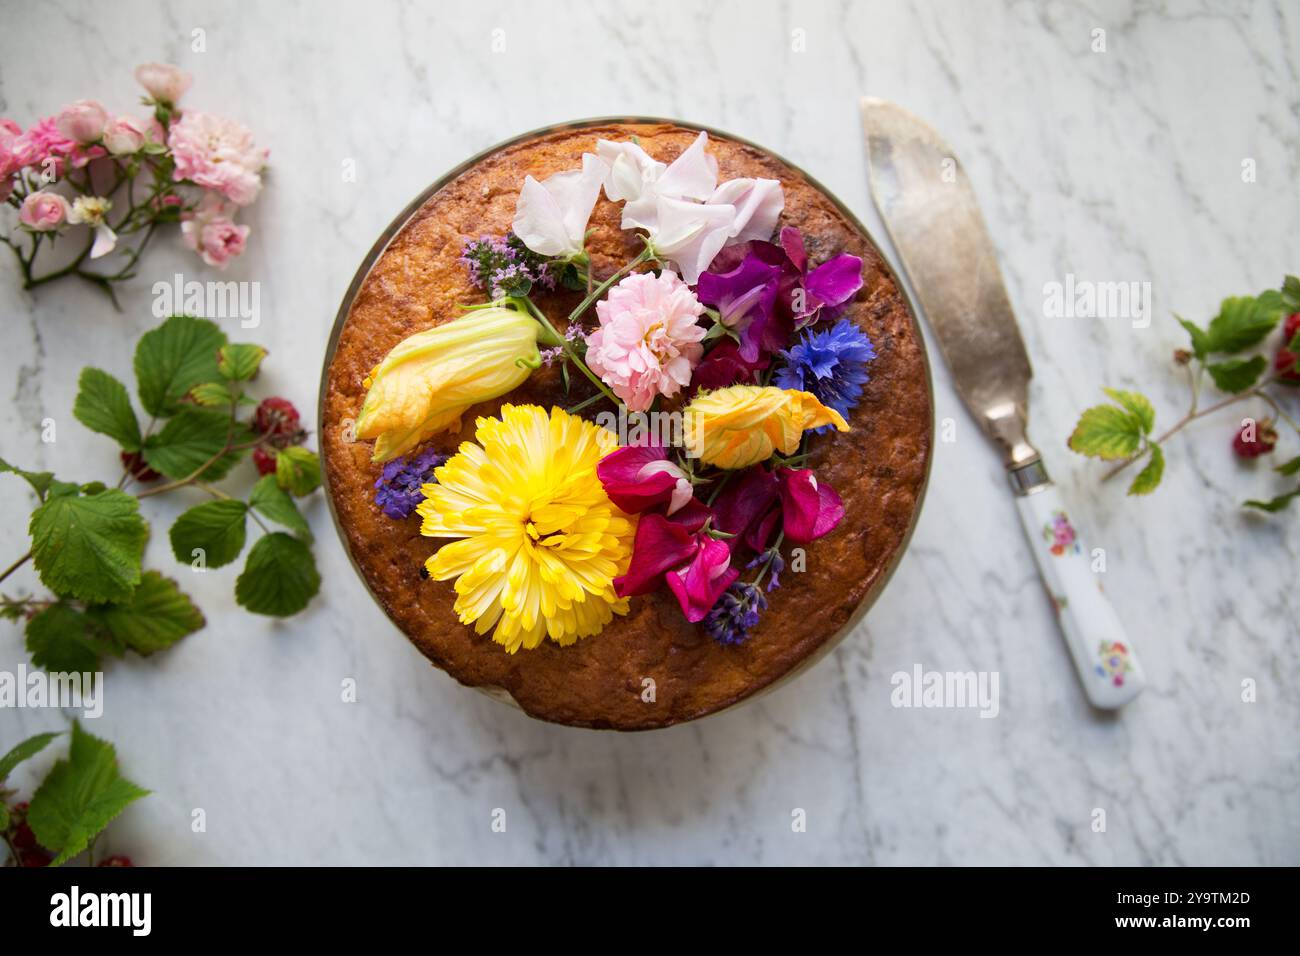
(649, 340)
(551, 216)
(163, 82)
(82, 121)
(211, 232)
(44, 211)
(218, 154)
(124, 135)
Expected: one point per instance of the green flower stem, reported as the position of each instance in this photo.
(16, 565)
(569, 351)
(775, 549)
(645, 255)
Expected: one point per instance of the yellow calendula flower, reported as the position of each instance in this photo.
(742, 425)
(428, 380)
(540, 542)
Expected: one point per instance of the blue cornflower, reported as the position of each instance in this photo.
(397, 490)
(735, 614)
(830, 363)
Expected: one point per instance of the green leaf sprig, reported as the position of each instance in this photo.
(77, 800)
(1122, 432)
(87, 540)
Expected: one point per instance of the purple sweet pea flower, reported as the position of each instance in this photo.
(826, 287)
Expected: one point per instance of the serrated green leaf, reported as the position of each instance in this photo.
(217, 528)
(1107, 432)
(89, 547)
(240, 361)
(39, 480)
(158, 615)
(1237, 375)
(1200, 341)
(1244, 320)
(103, 406)
(297, 470)
(272, 501)
(24, 751)
(192, 439)
(80, 797)
(173, 358)
(1138, 404)
(59, 641)
(1291, 293)
(279, 578)
(1288, 467)
(1149, 477)
(213, 395)
(1274, 504)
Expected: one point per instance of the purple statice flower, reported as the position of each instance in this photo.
(397, 490)
(830, 363)
(503, 265)
(736, 614)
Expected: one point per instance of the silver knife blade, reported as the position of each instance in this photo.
(930, 212)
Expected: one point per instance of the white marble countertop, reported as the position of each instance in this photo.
(1122, 165)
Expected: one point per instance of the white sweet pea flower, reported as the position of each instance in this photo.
(92, 211)
(551, 216)
(758, 203)
(689, 218)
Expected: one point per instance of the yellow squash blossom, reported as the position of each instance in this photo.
(742, 425)
(540, 542)
(428, 380)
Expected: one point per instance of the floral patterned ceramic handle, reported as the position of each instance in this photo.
(1103, 656)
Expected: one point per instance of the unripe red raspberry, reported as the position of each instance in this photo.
(1255, 438)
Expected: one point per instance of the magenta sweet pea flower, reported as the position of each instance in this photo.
(745, 287)
(826, 287)
(679, 552)
(809, 509)
(752, 505)
(699, 584)
(638, 478)
(724, 366)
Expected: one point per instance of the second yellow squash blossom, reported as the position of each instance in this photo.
(745, 424)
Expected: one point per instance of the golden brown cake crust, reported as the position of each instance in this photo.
(879, 467)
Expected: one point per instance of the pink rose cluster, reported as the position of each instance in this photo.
(194, 167)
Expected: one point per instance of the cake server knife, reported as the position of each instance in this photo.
(929, 209)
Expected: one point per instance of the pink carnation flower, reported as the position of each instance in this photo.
(218, 154)
(648, 341)
(211, 232)
(9, 135)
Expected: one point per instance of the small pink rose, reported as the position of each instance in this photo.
(82, 121)
(124, 135)
(43, 211)
(163, 82)
(211, 232)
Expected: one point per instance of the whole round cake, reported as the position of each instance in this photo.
(624, 422)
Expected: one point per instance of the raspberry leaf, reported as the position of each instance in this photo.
(1137, 403)
(89, 546)
(273, 502)
(1200, 340)
(59, 641)
(1148, 479)
(1274, 504)
(158, 615)
(1244, 320)
(240, 362)
(215, 529)
(173, 358)
(1237, 375)
(1291, 293)
(43, 482)
(297, 470)
(1288, 467)
(80, 796)
(194, 438)
(103, 406)
(24, 751)
(1107, 432)
(279, 578)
